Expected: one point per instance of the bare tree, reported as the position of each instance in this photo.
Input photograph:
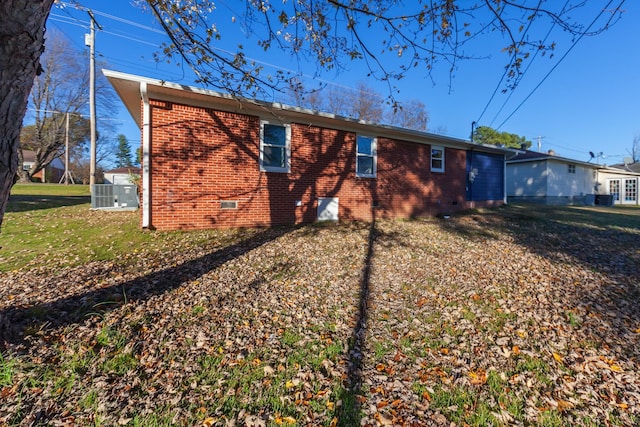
(362, 103)
(335, 101)
(298, 95)
(410, 115)
(63, 88)
(47, 139)
(365, 104)
(413, 36)
(635, 149)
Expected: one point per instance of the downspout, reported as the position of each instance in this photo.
(504, 180)
(146, 149)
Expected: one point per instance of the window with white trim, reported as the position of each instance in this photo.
(437, 159)
(275, 147)
(571, 168)
(366, 156)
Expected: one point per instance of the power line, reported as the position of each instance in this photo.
(527, 68)
(562, 58)
(506, 70)
(64, 5)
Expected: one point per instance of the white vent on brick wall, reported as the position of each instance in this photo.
(228, 204)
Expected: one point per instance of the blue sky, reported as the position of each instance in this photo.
(590, 102)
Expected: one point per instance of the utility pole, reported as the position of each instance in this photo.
(66, 153)
(540, 143)
(90, 41)
(67, 173)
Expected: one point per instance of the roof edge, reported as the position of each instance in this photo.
(125, 83)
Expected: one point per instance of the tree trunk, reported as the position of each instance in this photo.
(22, 26)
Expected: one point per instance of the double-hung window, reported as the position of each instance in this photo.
(437, 159)
(366, 156)
(275, 147)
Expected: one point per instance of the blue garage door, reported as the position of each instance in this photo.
(485, 176)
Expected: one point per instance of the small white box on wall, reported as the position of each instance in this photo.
(327, 209)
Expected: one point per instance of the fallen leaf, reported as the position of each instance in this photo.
(563, 405)
(268, 370)
(478, 377)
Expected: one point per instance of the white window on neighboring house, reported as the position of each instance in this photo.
(366, 157)
(437, 159)
(26, 167)
(275, 147)
(571, 168)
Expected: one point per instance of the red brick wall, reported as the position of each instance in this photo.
(200, 157)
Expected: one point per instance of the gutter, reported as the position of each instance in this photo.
(146, 149)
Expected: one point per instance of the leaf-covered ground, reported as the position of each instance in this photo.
(497, 318)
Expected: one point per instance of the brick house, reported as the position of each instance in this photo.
(213, 160)
(53, 172)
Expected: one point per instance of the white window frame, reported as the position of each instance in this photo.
(373, 155)
(287, 147)
(571, 168)
(441, 149)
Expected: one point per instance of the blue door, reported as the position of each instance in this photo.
(485, 176)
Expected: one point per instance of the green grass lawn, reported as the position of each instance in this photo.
(36, 189)
(51, 224)
(31, 197)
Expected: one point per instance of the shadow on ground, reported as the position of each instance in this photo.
(25, 203)
(14, 321)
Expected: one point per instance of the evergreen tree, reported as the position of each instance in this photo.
(123, 155)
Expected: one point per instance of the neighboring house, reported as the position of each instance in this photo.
(623, 183)
(629, 167)
(549, 179)
(213, 160)
(122, 176)
(53, 172)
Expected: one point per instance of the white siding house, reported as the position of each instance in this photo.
(122, 176)
(622, 185)
(554, 180)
